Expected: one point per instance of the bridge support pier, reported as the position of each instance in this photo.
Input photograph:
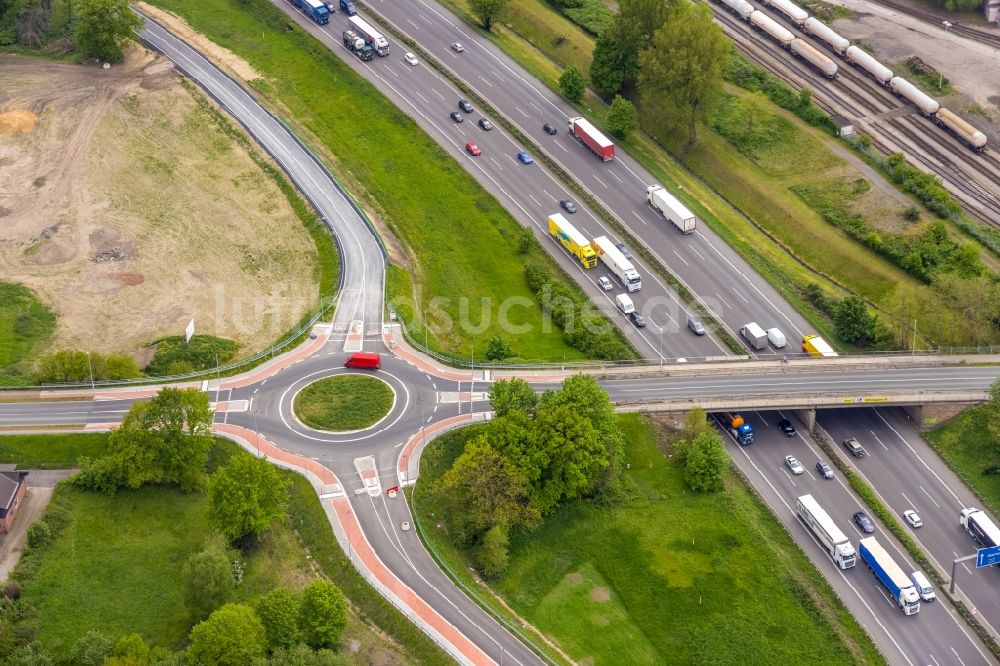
(916, 414)
(808, 418)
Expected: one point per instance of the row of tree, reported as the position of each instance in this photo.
(99, 28)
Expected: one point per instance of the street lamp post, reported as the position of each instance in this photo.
(90, 368)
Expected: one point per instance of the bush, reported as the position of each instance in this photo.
(231, 636)
(92, 649)
(622, 118)
(12, 590)
(279, 611)
(208, 580)
(323, 614)
(173, 354)
(498, 349)
(39, 534)
(572, 84)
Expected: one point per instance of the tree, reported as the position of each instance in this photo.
(575, 452)
(91, 649)
(572, 84)
(622, 117)
(510, 394)
(695, 424)
(706, 463)
(493, 556)
(853, 321)
(64, 366)
(231, 636)
(584, 395)
(484, 489)
(29, 655)
(32, 24)
(303, 655)
(615, 63)
(498, 349)
(279, 611)
(648, 15)
(487, 10)
(681, 70)
(39, 534)
(323, 614)
(208, 579)
(246, 496)
(103, 27)
(132, 649)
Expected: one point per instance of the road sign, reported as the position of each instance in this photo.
(987, 556)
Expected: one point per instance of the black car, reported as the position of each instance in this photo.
(637, 319)
(465, 106)
(787, 427)
(568, 205)
(864, 522)
(456, 116)
(485, 124)
(824, 470)
(624, 250)
(549, 128)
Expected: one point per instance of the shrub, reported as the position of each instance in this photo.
(39, 534)
(174, 354)
(323, 614)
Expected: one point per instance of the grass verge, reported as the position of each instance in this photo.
(699, 577)
(966, 444)
(344, 402)
(25, 326)
(462, 243)
(55, 451)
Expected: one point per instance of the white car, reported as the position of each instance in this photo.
(794, 465)
(605, 283)
(411, 59)
(912, 518)
(457, 47)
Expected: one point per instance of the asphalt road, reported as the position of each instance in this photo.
(935, 635)
(710, 269)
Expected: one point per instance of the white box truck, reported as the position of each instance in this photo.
(616, 262)
(829, 535)
(754, 335)
(669, 207)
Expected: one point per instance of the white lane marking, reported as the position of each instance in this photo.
(536, 107)
(485, 81)
(390, 70)
(681, 258)
(922, 489)
(502, 80)
(413, 24)
(437, 93)
(600, 181)
(535, 200)
(426, 101)
(922, 462)
(615, 176)
(879, 440)
(495, 162)
(723, 300)
(957, 657)
(741, 295)
(696, 252)
(521, 112)
(562, 146)
(427, 20)
(909, 503)
(639, 217)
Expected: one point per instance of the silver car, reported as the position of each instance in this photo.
(794, 465)
(605, 283)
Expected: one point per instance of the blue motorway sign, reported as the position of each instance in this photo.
(987, 556)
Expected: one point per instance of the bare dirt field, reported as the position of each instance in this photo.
(129, 212)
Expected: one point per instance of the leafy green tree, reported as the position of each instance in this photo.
(695, 423)
(576, 455)
(103, 27)
(246, 496)
(279, 611)
(572, 84)
(510, 394)
(91, 649)
(493, 555)
(498, 349)
(583, 395)
(487, 11)
(622, 118)
(132, 649)
(208, 579)
(649, 15)
(231, 636)
(323, 614)
(484, 489)
(29, 655)
(706, 463)
(64, 366)
(853, 321)
(681, 71)
(615, 63)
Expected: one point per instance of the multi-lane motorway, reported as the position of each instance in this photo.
(425, 398)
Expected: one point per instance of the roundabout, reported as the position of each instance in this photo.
(343, 403)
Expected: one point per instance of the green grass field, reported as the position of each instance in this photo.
(676, 578)
(25, 326)
(344, 402)
(463, 245)
(967, 445)
(56, 451)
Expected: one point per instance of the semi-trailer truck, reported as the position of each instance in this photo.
(669, 207)
(980, 527)
(571, 239)
(357, 46)
(616, 262)
(588, 135)
(314, 9)
(371, 36)
(742, 431)
(890, 575)
(817, 347)
(833, 540)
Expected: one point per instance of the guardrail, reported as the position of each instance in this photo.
(802, 401)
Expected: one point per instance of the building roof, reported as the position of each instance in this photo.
(840, 121)
(10, 482)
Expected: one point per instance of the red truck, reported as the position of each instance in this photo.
(363, 360)
(588, 135)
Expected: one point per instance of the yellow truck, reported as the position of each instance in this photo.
(572, 240)
(817, 347)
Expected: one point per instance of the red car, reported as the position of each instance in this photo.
(473, 148)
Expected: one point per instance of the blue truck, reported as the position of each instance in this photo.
(890, 575)
(740, 429)
(314, 9)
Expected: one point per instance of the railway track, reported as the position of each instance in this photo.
(990, 37)
(856, 95)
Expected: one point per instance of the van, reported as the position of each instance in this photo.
(776, 338)
(363, 360)
(624, 303)
(923, 586)
(347, 7)
(695, 325)
(755, 336)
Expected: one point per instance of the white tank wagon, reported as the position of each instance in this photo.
(866, 62)
(927, 104)
(764, 22)
(965, 131)
(795, 14)
(826, 34)
(811, 54)
(743, 8)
